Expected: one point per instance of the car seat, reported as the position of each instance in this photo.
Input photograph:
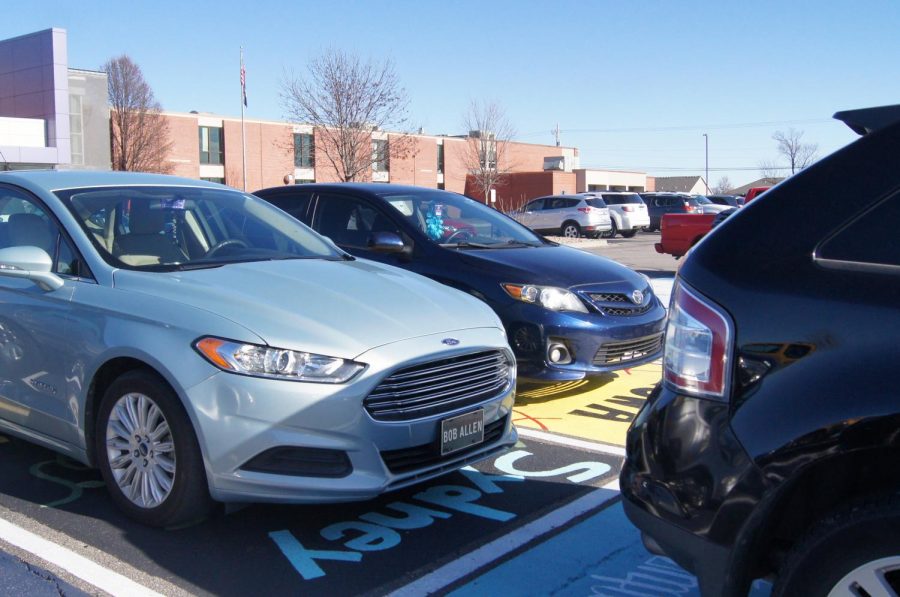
(145, 243)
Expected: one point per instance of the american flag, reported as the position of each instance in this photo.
(243, 80)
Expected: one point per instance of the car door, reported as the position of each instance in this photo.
(35, 324)
(552, 216)
(349, 222)
(531, 213)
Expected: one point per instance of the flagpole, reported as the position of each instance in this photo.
(243, 132)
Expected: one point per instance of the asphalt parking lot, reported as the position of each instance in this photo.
(543, 518)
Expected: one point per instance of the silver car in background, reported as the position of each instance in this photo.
(570, 216)
(197, 344)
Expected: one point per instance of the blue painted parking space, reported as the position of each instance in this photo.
(602, 555)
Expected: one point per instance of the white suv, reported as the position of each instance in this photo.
(567, 215)
(627, 211)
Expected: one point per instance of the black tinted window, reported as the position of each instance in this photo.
(295, 204)
(560, 203)
(535, 205)
(870, 238)
(622, 199)
(350, 221)
(596, 202)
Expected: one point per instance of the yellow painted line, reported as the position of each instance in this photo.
(595, 409)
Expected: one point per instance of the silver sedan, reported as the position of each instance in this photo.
(197, 344)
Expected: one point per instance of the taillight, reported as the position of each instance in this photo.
(698, 346)
(586, 210)
(628, 208)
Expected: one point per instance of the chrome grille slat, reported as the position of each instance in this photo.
(381, 398)
(431, 370)
(617, 304)
(439, 386)
(449, 402)
(393, 387)
(620, 352)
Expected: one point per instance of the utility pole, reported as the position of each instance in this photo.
(556, 132)
(706, 143)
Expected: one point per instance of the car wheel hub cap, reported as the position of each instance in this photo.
(140, 450)
(868, 579)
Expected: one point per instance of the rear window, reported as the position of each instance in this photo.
(622, 199)
(595, 202)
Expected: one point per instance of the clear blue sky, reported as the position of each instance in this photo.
(632, 84)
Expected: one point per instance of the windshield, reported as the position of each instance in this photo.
(622, 199)
(454, 220)
(172, 228)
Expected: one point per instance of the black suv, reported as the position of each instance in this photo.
(771, 448)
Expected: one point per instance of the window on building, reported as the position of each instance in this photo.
(441, 186)
(380, 155)
(76, 129)
(440, 164)
(489, 155)
(212, 145)
(217, 179)
(304, 151)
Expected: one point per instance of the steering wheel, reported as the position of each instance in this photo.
(231, 242)
(462, 233)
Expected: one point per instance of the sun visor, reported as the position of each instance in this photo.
(869, 120)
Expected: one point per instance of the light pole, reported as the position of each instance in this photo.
(706, 143)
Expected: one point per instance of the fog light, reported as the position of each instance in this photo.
(558, 354)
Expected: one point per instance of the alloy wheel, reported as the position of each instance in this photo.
(140, 450)
(878, 577)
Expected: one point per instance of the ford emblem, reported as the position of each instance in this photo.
(450, 341)
(638, 297)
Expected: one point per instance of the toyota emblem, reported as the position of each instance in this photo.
(450, 341)
(638, 297)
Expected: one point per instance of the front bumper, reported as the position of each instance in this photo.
(237, 418)
(689, 486)
(532, 329)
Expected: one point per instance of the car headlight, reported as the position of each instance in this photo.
(275, 363)
(549, 297)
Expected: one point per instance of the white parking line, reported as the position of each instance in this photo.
(571, 441)
(77, 565)
(484, 555)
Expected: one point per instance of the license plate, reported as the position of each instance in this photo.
(462, 431)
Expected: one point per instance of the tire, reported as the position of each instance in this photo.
(611, 233)
(845, 550)
(570, 230)
(629, 233)
(159, 481)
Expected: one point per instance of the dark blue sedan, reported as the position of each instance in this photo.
(567, 313)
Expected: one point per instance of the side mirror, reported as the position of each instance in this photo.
(31, 263)
(386, 242)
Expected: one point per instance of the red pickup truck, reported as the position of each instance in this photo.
(680, 232)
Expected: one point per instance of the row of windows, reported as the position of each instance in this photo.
(212, 150)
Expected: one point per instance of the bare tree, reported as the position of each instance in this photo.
(799, 154)
(723, 186)
(769, 169)
(139, 133)
(346, 99)
(486, 156)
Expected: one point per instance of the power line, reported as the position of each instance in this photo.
(688, 127)
(678, 168)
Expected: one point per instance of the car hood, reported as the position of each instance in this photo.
(551, 266)
(337, 308)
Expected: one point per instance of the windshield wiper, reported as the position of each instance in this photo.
(468, 245)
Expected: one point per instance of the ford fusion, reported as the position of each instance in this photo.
(196, 344)
(567, 313)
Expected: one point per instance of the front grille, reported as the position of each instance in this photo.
(631, 350)
(619, 305)
(409, 459)
(439, 387)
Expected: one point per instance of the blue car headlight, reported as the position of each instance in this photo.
(549, 297)
(275, 363)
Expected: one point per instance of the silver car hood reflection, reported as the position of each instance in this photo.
(338, 308)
